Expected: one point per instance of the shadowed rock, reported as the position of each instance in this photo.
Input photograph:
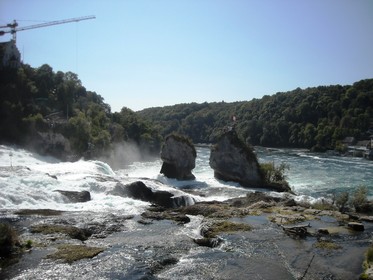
(179, 158)
(233, 160)
(75, 197)
(138, 190)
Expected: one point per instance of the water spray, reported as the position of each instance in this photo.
(10, 156)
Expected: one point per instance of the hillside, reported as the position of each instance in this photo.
(54, 113)
(318, 118)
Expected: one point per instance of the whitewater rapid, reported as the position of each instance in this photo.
(30, 181)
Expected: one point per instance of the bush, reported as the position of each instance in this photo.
(341, 200)
(272, 173)
(360, 200)
(8, 239)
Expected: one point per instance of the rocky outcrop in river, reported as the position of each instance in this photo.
(179, 158)
(232, 160)
(75, 197)
(138, 190)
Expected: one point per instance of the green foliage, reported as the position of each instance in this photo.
(360, 198)
(28, 244)
(369, 255)
(341, 200)
(272, 173)
(368, 261)
(29, 96)
(318, 118)
(8, 239)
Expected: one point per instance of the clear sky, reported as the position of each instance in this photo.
(147, 53)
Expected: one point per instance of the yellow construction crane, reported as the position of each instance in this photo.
(13, 27)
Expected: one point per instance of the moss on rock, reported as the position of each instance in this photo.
(73, 232)
(217, 227)
(327, 245)
(70, 253)
(40, 212)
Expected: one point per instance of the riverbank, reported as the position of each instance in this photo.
(241, 238)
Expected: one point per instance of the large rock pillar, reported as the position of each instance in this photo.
(179, 158)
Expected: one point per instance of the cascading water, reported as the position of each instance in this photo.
(163, 249)
(28, 180)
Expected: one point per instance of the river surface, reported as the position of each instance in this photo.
(30, 181)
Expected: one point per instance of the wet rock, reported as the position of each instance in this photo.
(252, 198)
(76, 197)
(38, 212)
(212, 228)
(211, 209)
(232, 160)
(284, 219)
(163, 263)
(52, 176)
(366, 207)
(71, 231)
(356, 226)
(367, 219)
(179, 158)
(262, 205)
(106, 226)
(296, 231)
(208, 242)
(290, 203)
(163, 214)
(138, 190)
(324, 231)
(70, 253)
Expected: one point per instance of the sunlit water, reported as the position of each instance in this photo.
(28, 180)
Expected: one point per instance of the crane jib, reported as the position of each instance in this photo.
(14, 29)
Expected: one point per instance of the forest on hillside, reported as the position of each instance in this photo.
(318, 118)
(39, 100)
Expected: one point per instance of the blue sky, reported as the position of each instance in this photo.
(148, 53)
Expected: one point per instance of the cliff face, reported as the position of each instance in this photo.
(179, 158)
(234, 161)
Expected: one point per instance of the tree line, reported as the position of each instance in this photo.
(318, 118)
(31, 96)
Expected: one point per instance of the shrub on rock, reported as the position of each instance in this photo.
(8, 239)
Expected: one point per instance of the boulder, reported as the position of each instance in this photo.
(356, 226)
(208, 242)
(232, 160)
(179, 158)
(324, 231)
(76, 197)
(138, 190)
(367, 219)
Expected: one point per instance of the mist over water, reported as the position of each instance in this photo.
(28, 180)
